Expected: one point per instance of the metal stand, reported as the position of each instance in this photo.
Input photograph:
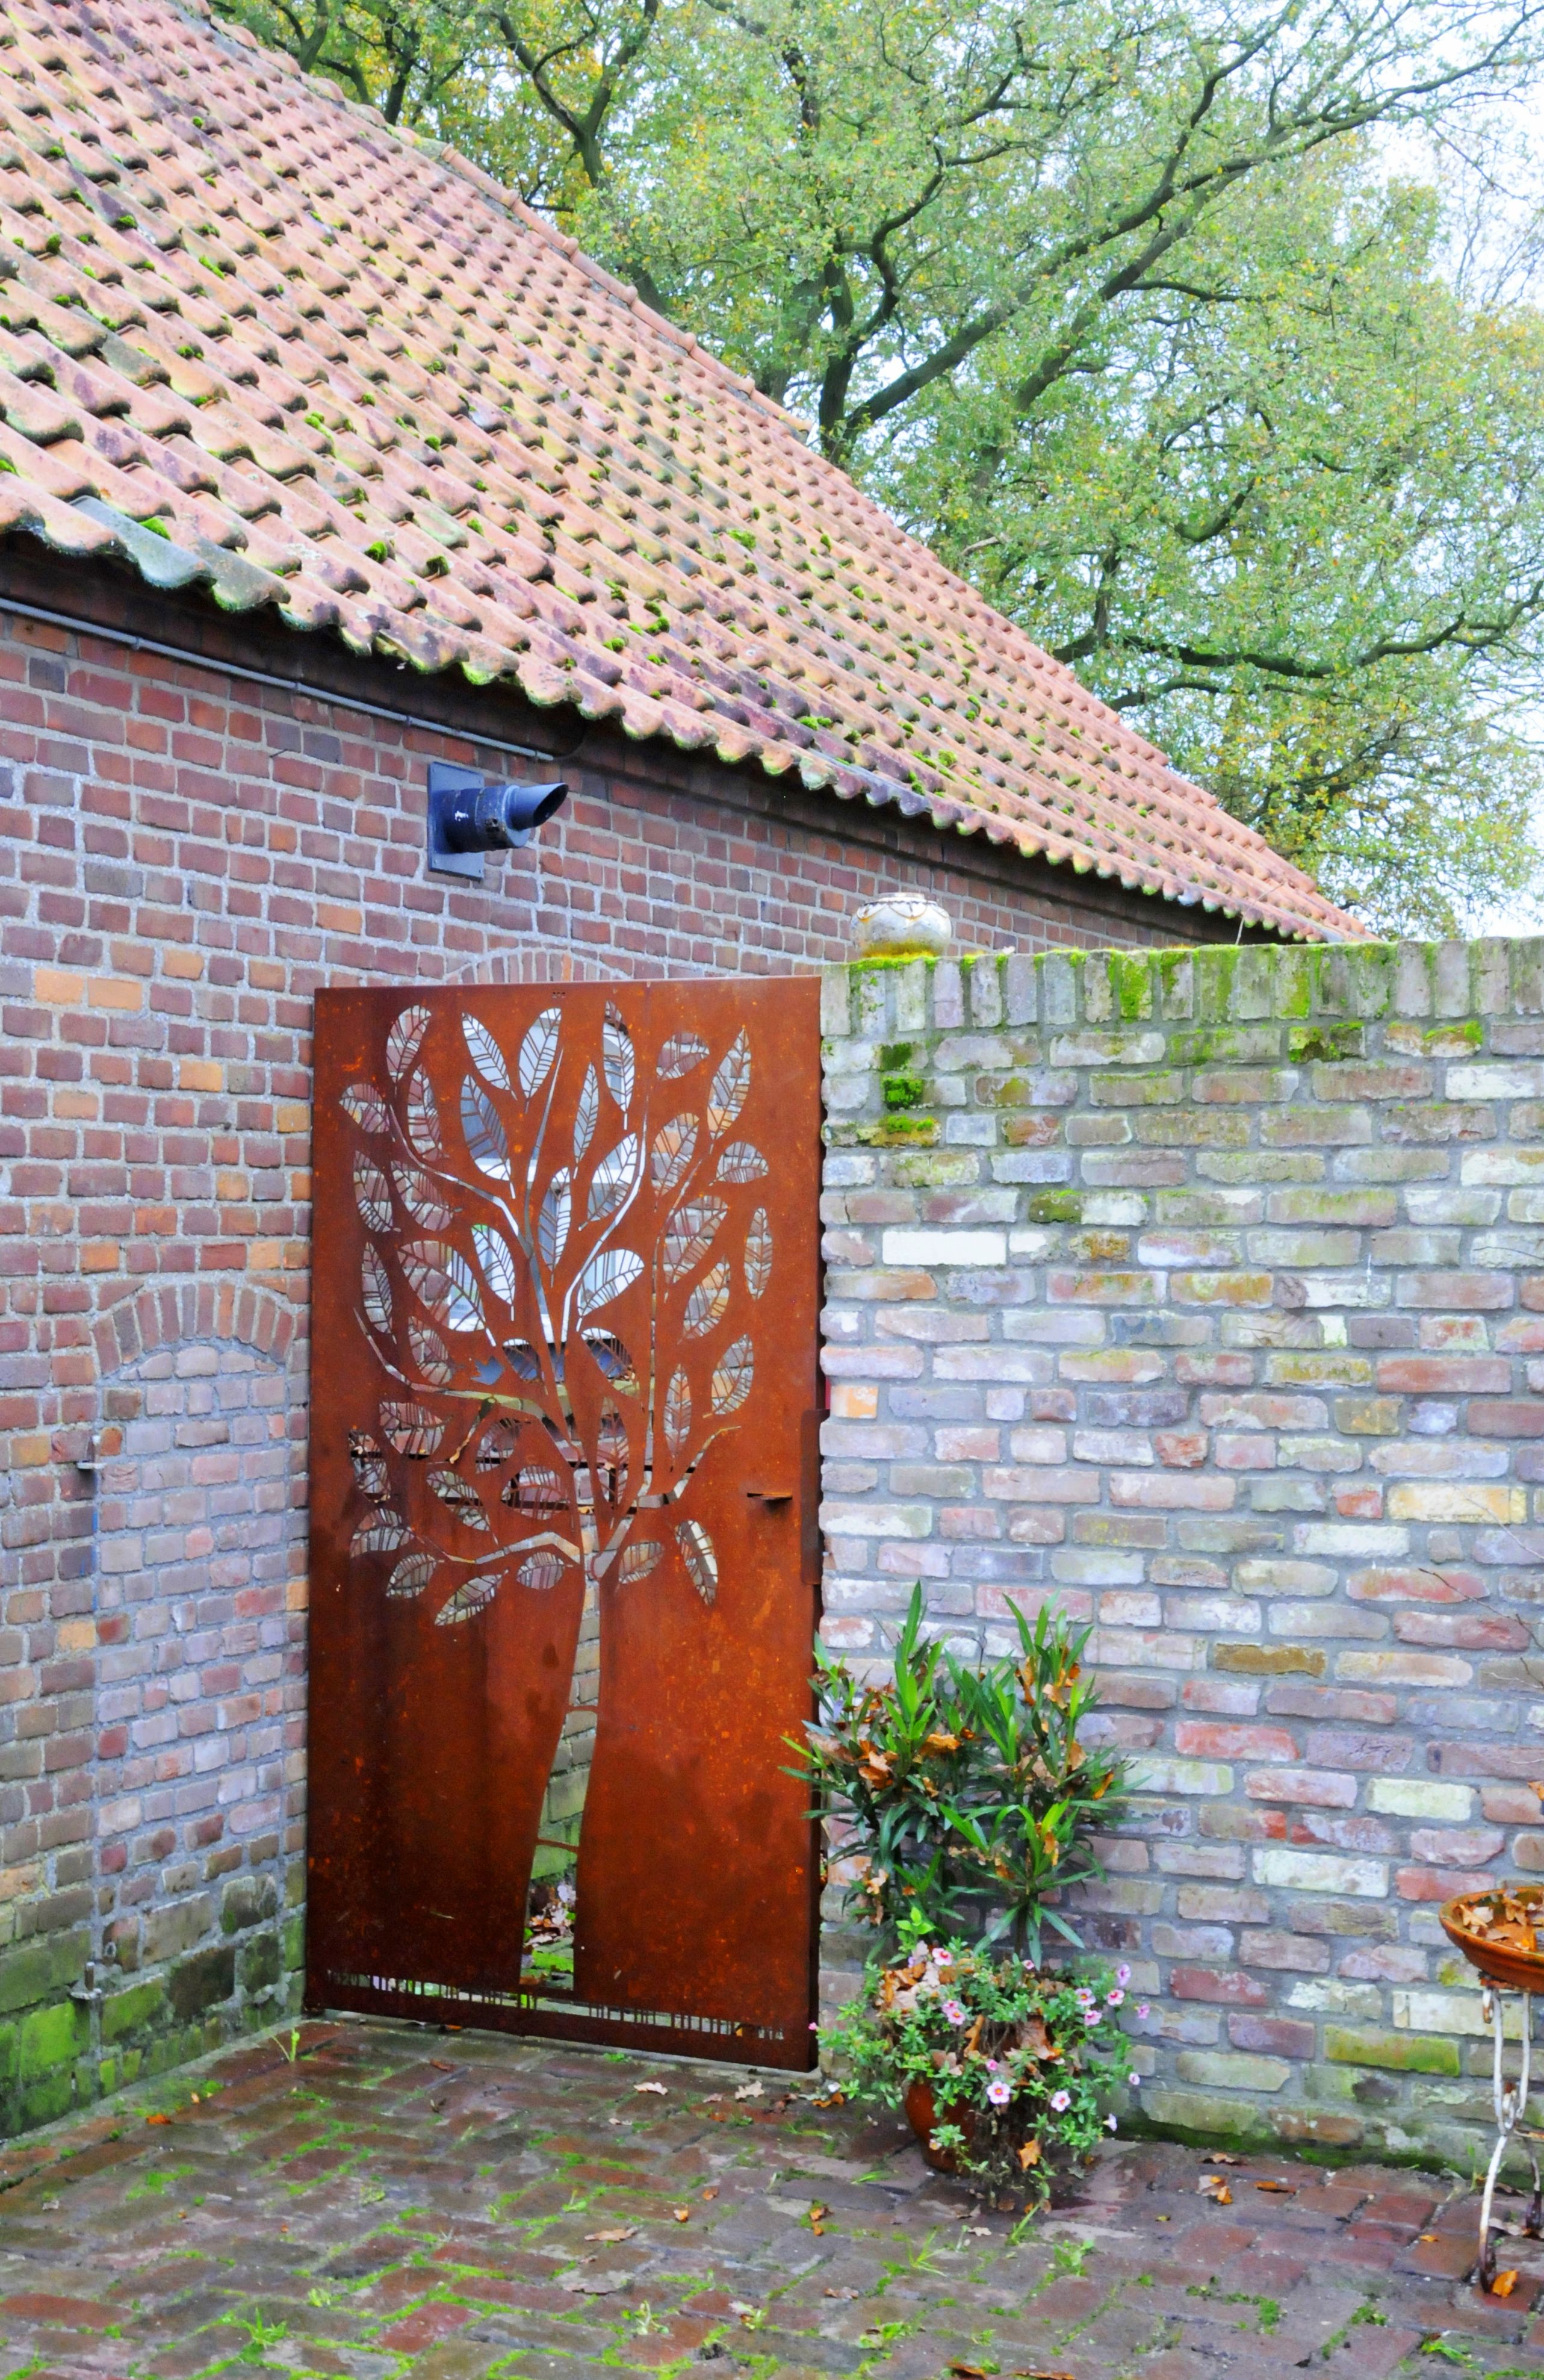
(1511, 2101)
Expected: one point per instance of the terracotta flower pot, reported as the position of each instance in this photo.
(922, 2112)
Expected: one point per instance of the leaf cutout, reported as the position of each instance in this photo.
(496, 1259)
(487, 1142)
(557, 1213)
(537, 1050)
(401, 1043)
(674, 1147)
(485, 1054)
(364, 1104)
(741, 1163)
(689, 1235)
(613, 1177)
(609, 1272)
(616, 1056)
(758, 1253)
(423, 1116)
(467, 1602)
(702, 1562)
(372, 1195)
(412, 1429)
(496, 1446)
(732, 1375)
(375, 1289)
(542, 1569)
(612, 1448)
(678, 1412)
(638, 1560)
(369, 1466)
(612, 1358)
(379, 1533)
(422, 1197)
(680, 1053)
(444, 1281)
(586, 1115)
(411, 1576)
(726, 1095)
(431, 1359)
(706, 1304)
(523, 1359)
(459, 1497)
(537, 1490)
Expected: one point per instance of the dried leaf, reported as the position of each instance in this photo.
(730, 1083)
(372, 1195)
(401, 1043)
(379, 1533)
(732, 1377)
(613, 1359)
(1029, 2155)
(557, 1214)
(741, 1163)
(430, 1356)
(1503, 2285)
(681, 2214)
(680, 1053)
(675, 1145)
(375, 1290)
(537, 1050)
(969, 2371)
(660, 2088)
(707, 1303)
(702, 1562)
(616, 1056)
(459, 1497)
(496, 1259)
(482, 1129)
(411, 1576)
(586, 1115)
(423, 1116)
(1221, 2156)
(421, 1196)
(678, 1412)
(613, 1177)
(609, 1272)
(1212, 2186)
(364, 1103)
(1287, 2189)
(444, 1281)
(613, 2239)
(638, 1560)
(158, 2119)
(412, 1429)
(467, 1602)
(542, 1569)
(758, 1253)
(749, 2091)
(486, 1054)
(688, 1234)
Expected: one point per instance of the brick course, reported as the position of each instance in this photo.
(1200, 1293)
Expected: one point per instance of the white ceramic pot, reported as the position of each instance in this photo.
(902, 924)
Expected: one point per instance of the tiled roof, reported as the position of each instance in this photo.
(252, 339)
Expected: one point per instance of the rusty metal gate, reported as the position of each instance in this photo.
(563, 1546)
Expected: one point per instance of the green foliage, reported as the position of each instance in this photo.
(1127, 315)
(1021, 2065)
(953, 1788)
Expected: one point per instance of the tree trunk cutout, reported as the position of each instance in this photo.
(559, 1276)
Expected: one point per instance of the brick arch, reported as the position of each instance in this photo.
(165, 1313)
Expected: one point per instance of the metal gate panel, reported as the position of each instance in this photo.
(564, 1560)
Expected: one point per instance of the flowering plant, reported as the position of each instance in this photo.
(1006, 2071)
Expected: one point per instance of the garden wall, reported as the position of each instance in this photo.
(1204, 1292)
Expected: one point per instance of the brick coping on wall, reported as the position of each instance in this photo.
(1203, 1290)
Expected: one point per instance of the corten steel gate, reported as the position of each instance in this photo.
(563, 1546)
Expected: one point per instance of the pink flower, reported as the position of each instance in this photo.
(1123, 1975)
(1113, 2000)
(999, 2091)
(1093, 2015)
(1111, 2125)
(956, 2014)
(1061, 2101)
(1141, 2008)
(943, 1958)
(1083, 1997)
(1134, 2079)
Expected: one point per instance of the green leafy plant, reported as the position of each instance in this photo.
(1006, 2071)
(954, 1790)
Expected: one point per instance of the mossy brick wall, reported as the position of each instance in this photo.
(1204, 1292)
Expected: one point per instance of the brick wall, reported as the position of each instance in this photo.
(1204, 1293)
(183, 858)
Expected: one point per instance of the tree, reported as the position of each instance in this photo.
(1123, 314)
(557, 1280)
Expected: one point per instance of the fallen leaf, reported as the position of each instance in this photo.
(625, 2231)
(158, 2119)
(751, 2091)
(660, 2088)
(441, 2065)
(741, 2305)
(1221, 2156)
(1029, 2155)
(713, 2098)
(1213, 2187)
(840, 2293)
(818, 2215)
(978, 2231)
(969, 2371)
(595, 2285)
(713, 2192)
(681, 2214)
(1503, 2285)
(1028, 2372)
(1289, 2189)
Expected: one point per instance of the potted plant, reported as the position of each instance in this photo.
(962, 1802)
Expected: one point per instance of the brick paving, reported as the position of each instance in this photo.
(396, 2201)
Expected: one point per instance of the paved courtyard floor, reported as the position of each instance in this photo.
(396, 2201)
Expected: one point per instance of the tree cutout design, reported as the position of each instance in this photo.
(564, 1252)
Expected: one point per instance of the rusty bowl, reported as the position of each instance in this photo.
(1518, 1970)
